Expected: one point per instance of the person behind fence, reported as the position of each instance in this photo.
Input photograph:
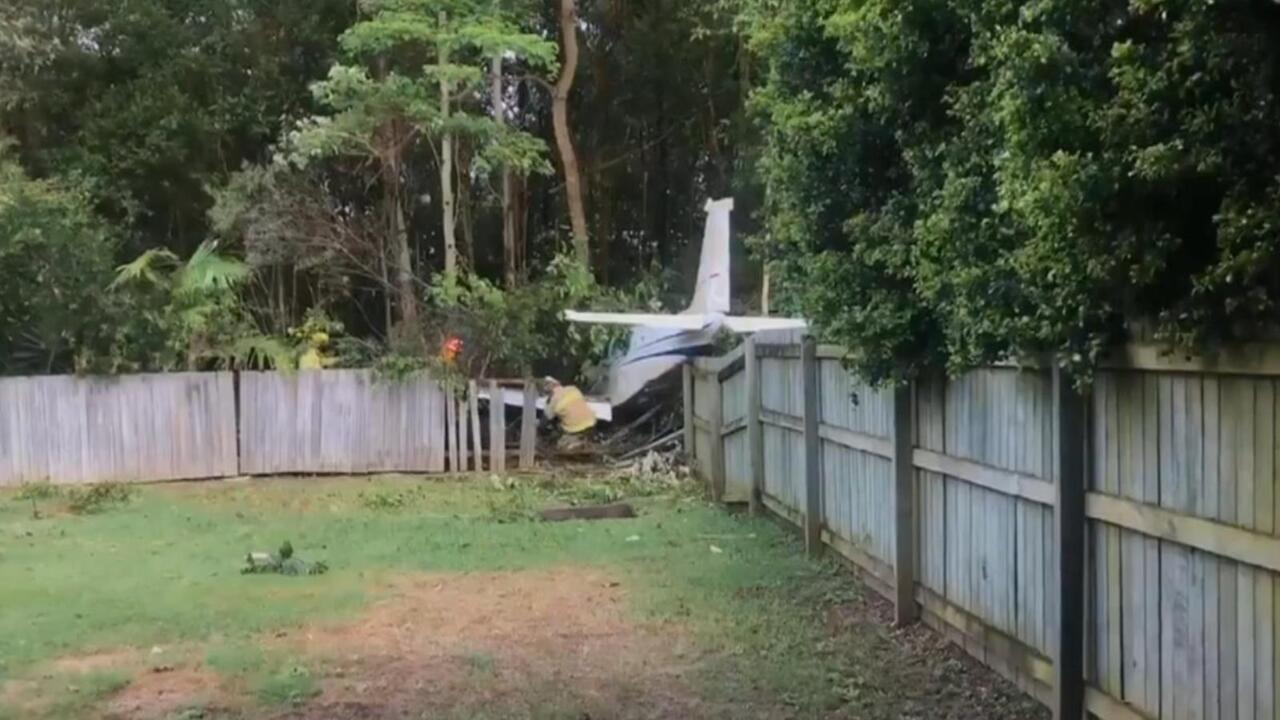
(569, 406)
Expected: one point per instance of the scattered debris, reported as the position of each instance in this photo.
(282, 562)
(615, 511)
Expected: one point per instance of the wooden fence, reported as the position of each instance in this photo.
(1116, 550)
(137, 428)
(176, 426)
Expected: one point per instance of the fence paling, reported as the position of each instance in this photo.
(176, 426)
(1175, 489)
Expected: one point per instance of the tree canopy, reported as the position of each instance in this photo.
(955, 182)
(935, 183)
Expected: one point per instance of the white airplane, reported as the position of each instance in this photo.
(661, 343)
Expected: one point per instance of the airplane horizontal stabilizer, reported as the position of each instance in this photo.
(674, 322)
(739, 324)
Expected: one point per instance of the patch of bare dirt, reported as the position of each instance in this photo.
(514, 644)
(119, 659)
(162, 693)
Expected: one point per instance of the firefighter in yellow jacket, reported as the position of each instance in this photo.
(569, 406)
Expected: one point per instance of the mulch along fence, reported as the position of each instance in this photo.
(178, 426)
(1116, 550)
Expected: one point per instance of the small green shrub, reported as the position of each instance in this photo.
(392, 499)
(98, 497)
(42, 490)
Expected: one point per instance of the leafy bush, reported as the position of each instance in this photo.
(98, 497)
(510, 332)
(43, 490)
(55, 258)
(171, 314)
(393, 499)
(954, 182)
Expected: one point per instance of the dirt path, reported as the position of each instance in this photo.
(560, 644)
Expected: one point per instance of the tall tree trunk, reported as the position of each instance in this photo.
(560, 119)
(446, 162)
(399, 233)
(497, 93)
(466, 206)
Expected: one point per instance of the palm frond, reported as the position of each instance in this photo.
(145, 267)
(261, 352)
(207, 270)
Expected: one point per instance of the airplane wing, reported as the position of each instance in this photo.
(740, 324)
(515, 398)
(674, 322)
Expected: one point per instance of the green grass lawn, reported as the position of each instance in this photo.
(159, 576)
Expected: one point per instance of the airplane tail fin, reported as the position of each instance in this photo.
(711, 294)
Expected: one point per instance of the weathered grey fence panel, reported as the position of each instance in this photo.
(782, 404)
(853, 405)
(858, 499)
(702, 412)
(1182, 617)
(737, 460)
(857, 485)
(340, 421)
(1180, 632)
(132, 428)
(996, 546)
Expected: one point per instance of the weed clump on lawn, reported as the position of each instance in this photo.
(35, 493)
(42, 490)
(393, 499)
(516, 501)
(281, 562)
(98, 497)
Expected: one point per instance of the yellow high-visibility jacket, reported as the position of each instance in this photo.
(571, 408)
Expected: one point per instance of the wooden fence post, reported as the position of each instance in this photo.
(529, 426)
(690, 432)
(473, 391)
(460, 417)
(717, 474)
(905, 610)
(450, 442)
(497, 429)
(812, 449)
(1069, 549)
(755, 430)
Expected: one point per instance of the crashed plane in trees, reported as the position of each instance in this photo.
(661, 343)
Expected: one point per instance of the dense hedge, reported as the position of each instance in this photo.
(953, 181)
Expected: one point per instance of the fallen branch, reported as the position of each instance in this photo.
(660, 442)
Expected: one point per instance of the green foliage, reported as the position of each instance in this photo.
(43, 490)
(154, 99)
(511, 332)
(398, 498)
(955, 183)
(395, 62)
(173, 315)
(55, 258)
(98, 497)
